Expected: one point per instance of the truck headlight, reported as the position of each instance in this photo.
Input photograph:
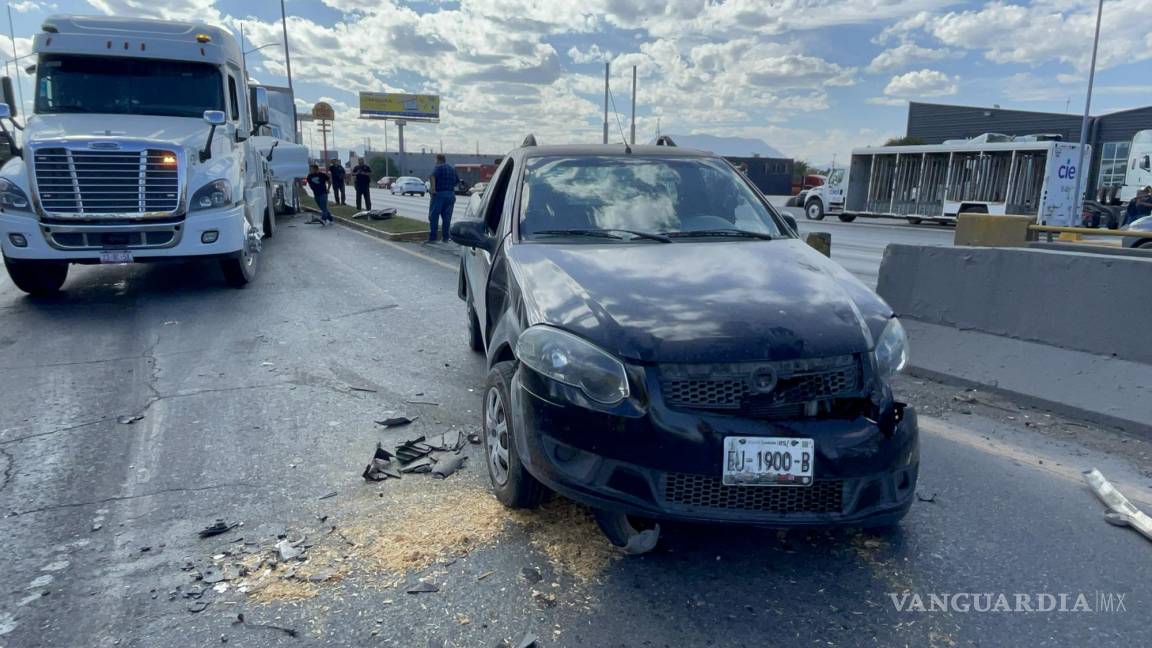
(215, 194)
(571, 360)
(12, 196)
(892, 349)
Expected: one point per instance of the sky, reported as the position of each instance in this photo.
(812, 78)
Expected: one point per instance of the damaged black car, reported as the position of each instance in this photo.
(663, 346)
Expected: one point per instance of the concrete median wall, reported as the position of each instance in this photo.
(1099, 304)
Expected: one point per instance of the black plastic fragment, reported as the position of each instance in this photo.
(380, 468)
(396, 421)
(423, 587)
(446, 466)
(216, 528)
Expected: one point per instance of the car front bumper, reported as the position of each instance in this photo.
(667, 464)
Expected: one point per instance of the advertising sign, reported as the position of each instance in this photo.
(390, 105)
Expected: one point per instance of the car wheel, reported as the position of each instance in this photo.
(37, 277)
(511, 483)
(269, 216)
(847, 218)
(631, 535)
(1146, 245)
(421, 194)
(814, 209)
(915, 221)
(475, 339)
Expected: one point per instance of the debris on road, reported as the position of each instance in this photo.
(396, 421)
(423, 465)
(544, 600)
(288, 631)
(484, 575)
(447, 467)
(413, 449)
(423, 587)
(217, 528)
(474, 439)
(362, 389)
(197, 606)
(531, 574)
(422, 402)
(930, 500)
(1121, 511)
(329, 495)
(213, 575)
(529, 640)
(129, 419)
(376, 214)
(455, 446)
(289, 550)
(381, 468)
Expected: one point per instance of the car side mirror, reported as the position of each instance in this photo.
(473, 234)
(791, 220)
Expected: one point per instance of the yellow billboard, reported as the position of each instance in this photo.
(391, 105)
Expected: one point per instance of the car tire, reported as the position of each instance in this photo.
(847, 218)
(814, 209)
(1146, 245)
(511, 483)
(475, 339)
(915, 221)
(631, 535)
(239, 271)
(269, 215)
(37, 278)
(421, 194)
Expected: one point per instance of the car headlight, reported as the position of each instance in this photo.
(571, 360)
(892, 349)
(215, 194)
(12, 196)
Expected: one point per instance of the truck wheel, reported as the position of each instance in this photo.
(240, 270)
(915, 221)
(847, 218)
(475, 339)
(513, 486)
(269, 216)
(37, 277)
(814, 209)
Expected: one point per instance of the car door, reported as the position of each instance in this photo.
(479, 262)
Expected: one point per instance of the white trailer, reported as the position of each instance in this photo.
(939, 182)
(288, 166)
(139, 149)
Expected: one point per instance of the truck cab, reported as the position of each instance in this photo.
(139, 149)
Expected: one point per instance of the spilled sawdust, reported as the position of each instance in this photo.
(276, 590)
(567, 534)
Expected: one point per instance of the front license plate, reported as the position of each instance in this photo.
(115, 256)
(768, 461)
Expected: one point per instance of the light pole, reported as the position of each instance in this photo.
(288, 60)
(1081, 176)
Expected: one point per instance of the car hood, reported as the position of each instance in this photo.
(180, 131)
(700, 302)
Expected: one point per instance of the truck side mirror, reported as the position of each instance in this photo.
(258, 97)
(213, 118)
(1144, 163)
(9, 97)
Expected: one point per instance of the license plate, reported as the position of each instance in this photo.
(768, 461)
(115, 256)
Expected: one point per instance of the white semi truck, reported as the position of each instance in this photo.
(139, 149)
(289, 164)
(1035, 177)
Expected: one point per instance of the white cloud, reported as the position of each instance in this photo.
(922, 83)
(904, 56)
(28, 6)
(591, 55)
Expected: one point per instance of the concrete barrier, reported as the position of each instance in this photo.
(1099, 304)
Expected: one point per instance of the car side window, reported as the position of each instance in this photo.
(497, 192)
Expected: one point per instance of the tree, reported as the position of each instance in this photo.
(800, 168)
(382, 165)
(906, 140)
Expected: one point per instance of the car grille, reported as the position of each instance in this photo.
(732, 386)
(85, 183)
(823, 496)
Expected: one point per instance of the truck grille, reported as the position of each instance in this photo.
(734, 386)
(85, 183)
(823, 496)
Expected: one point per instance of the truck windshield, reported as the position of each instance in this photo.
(123, 86)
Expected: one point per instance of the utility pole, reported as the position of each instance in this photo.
(12, 37)
(288, 61)
(1081, 176)
(606, 102)
(633, 105)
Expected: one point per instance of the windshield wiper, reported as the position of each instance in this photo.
(722, 232)
(604, 233)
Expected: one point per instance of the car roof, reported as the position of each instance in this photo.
(611, 150)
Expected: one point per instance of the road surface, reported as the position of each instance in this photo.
(257, 406)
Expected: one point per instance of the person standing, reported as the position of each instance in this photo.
(318, 183)
(1139, 207)
(444, 181)
(361, 177)
(336, 173)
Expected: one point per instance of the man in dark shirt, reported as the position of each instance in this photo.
(444, 181)
(361, 176)
(336, 172)
(318, 182)
(1139, 207)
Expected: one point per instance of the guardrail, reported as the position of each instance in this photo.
(1075, 232)
(986, 230)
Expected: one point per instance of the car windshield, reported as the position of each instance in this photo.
(665, 195)
(108, 85)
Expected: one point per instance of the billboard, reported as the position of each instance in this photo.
(391, 105)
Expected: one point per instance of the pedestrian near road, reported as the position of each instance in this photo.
(361, 176)
(1138, 207)
(444, 181)
(336, 172)
(318, 182)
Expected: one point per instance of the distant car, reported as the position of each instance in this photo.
(385, 182)
(478, 188)
(461, 188)
(1144, 238)
(409, 185)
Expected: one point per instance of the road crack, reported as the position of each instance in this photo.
(37, 435)
(9, 468)
(359, 312)
(123, 498)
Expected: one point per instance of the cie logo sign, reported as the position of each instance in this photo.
(1067, 171)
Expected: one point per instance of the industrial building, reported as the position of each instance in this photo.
(1110, 134)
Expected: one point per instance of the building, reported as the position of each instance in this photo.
(1110, 135)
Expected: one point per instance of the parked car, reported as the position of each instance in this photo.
(461, 188)
(408, 185)
(662, 354)
(1142, 237)
(385, 182)
(478, 188)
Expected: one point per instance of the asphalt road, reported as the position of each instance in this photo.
(258, 404)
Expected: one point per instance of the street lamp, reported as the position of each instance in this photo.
(1080, 175)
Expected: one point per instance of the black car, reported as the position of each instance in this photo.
(661, 345)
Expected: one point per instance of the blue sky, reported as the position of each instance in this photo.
(813, 78)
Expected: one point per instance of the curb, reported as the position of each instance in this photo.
(387, 236)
